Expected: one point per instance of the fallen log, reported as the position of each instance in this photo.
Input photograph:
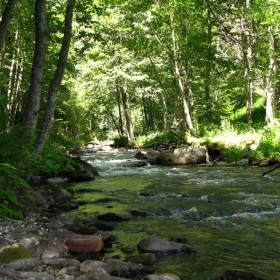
(270, 170)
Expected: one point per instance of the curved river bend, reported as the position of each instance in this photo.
(229, 215)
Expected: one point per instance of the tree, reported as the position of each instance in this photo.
(56, 81)
(5, 22)
(34, 96)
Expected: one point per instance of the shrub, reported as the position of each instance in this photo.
(121, 141)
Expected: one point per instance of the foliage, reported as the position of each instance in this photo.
(11, 185)
(269, 145)
(121, 141)
(233, 153)
(158, 138)
(12, 254)
(52, 163)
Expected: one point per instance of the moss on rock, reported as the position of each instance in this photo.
(12, 254)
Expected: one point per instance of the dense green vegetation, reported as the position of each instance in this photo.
(137, 72)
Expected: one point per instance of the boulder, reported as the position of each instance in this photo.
(83, 172)
(159, 246)
(189, 155)
(85, 244)
(59, 194)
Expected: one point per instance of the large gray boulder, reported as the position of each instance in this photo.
(187, 155)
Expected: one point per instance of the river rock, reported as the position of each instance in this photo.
(83, 172)
(190, 155)
(145, 259)
(59, 194)
(85, 244)
(159, 246)
(35, 275)
(90, 264)
(100, 274)
(26, 263)
(7, 273)
(126, 269)
(166, 276)
(240, 275)
(66, 219)
(112, 217)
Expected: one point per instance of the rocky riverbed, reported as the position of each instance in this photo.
(53, 244)
(51, 258)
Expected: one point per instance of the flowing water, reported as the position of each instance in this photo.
(230, 215)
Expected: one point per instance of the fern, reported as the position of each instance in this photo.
(6, 212)
(11, 184)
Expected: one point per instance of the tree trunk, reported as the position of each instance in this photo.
(56, 81)
(208, 66)
(187, 115)
(163, 98)
(127, 114)
(270, 83)
(120, 126)
(34, 97)
(248, 62)
(4, 26)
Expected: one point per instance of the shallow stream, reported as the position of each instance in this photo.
(231, 216)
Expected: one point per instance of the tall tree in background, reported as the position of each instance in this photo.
(56, 81)
(4, 25)
(34, 97)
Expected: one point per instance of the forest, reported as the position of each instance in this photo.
(139, 73)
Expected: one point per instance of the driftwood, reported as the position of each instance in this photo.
(270, 170)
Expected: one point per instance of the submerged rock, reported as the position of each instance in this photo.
(240, 275)
(112, 217)
(159, 246)
(145, 259)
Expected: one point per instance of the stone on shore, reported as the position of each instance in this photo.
(26, 263)
(85, 244)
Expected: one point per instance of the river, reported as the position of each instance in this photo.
(230, 215)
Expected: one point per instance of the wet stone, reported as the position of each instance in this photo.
(128, 270)
(127, 250)
(90, 264)
(112, 217)
(159, 246)
(162, 277)
(9, 273)
(24, 263)
(145, 259)
(240, 275)
(35, 275)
